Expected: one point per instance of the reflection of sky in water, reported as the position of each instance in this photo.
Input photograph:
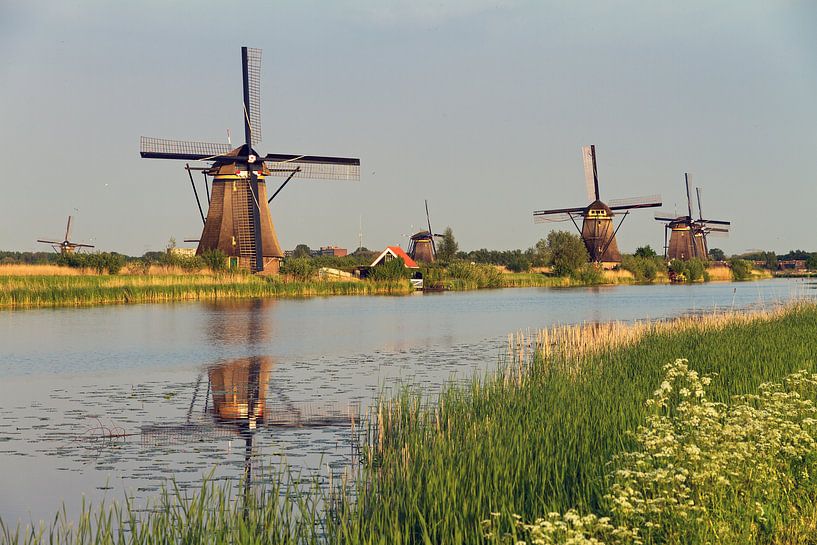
(66, 372)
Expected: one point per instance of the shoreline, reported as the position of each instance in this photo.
(21, 292)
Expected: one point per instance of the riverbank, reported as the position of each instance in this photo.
(52, 286)
(537, 437)
(84, 290)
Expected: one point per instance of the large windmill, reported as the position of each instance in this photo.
(687, 235)
(421, 244)
(238, 219)
(65, 246)
(597, 231)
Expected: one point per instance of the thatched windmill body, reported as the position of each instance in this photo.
(421, 244)
(238, 219)
(688, 235)
(65, 246)
(598, 230)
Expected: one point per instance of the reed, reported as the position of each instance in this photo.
(82, 290)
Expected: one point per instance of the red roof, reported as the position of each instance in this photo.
(397, 251)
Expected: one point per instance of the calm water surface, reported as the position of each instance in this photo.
(169, 378)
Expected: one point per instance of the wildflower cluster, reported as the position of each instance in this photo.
(705, 471)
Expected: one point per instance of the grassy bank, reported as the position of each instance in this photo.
(543, 435)
(79, 290)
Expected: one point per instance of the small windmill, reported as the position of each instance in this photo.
(66, 246)
(421, 244)
(238, 219)
(687, 235)
(597, 231)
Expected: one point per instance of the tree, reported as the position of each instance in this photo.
(541, 253)
(645, 251)
(567, 252)
(811, 262)
(741, 269)
(302, 250)
(448, 247)
(716, 254)
(301, 268)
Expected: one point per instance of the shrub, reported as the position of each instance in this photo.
(302, 268)
(215, 259)
(478, 275)
(693, 270)
(741, 269)
(644, 269)
(519, 264)
(588, 274)
(394, 269)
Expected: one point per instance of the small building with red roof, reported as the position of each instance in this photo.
(395, 252)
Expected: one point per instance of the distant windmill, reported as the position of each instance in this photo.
(597, 230)
(687, 238)
(66, 246)
(421, 244)
(238, 219)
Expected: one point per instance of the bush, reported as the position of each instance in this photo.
(693, 270)
(644, 269)
(478, 275)
(588, 274)
(520, 263)
(216, 260)
(302, 268)
(101, 262)
(741, 269)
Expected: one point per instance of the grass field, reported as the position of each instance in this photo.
(553, 432)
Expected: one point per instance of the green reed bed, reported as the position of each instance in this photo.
(61, 291)
(541, 439)
(548, 436)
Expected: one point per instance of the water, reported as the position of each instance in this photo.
(110, 401)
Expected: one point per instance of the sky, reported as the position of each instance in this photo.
(481, 107)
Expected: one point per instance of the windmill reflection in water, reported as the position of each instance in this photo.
(236, 403)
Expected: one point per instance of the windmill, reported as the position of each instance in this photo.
(597, 231)
(421, 244)
(238, 219)
(66, 246)
(687, 235)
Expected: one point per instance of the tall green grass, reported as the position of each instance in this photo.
(536, 437)
(61, 291)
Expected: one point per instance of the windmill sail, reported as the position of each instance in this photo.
(591, 177)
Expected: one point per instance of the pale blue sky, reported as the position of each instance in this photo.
(480, 107)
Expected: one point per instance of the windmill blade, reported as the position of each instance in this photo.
(649, 201)
(162, 148)
(700, 210)
(717, 232)
(313, 167)
(715, 222)
(663, 215)
(68, 229)
(251, 68)
(49, 241)
(576, 210)
(430, 232)
(554, 218)
(75, 245)
(591, 175)
(689, 198)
